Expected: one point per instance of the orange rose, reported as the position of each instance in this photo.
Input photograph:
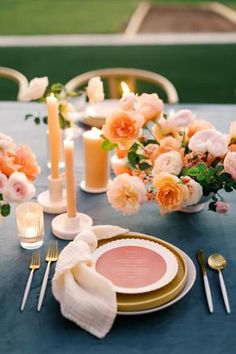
(27, 162)
(170, 193)
(199, 124)
(123, 128)
(7, 163)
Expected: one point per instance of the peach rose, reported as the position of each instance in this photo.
(18, 189)
(126, 193)
(170, 142)
(170, 192)
(170, 162)
(95, 90)
(6, 143)
(230, 164)
(35, 89)
(26, 161)
(123, 128)
(7, 163)
(194, 191)
(120, 165)
(211, 141)
(199, 124)
(150, 105)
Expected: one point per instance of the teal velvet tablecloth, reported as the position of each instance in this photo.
(186, 327)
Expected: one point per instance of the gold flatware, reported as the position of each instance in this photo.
(52, 256)
(34, 264)
(218, 262)
(200, 257)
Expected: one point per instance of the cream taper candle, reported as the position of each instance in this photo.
(54, 135)
(96, 164)
(70, 178)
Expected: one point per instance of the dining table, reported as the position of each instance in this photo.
(185, 327)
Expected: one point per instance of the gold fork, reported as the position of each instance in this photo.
(34, 264)
(52, 256)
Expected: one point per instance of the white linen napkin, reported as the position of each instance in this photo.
(86, 297)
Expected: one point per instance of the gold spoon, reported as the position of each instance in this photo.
(218, 262)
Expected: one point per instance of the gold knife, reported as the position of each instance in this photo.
(200, 257)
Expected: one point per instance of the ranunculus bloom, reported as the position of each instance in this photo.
(182, 118)
(35, 89)
(211, 141)
(170, 192)
(150, 105)
(95, 90)
(230, 164)
(18, 189)
(6, 143)
(123, 128)
(128, 102)
(126, 193)
(195, 191)
(27, 162)
(3, 181)
(170, 162)
(197, 125)
(222, 207)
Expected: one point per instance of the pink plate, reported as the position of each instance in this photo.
(135, 265)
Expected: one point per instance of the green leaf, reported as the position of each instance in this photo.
(219, 168)
(5, 209)
(212, 206)
(134, 147)
(37, 120)
(150, 141)
(29, 115)
(133, 158)
(45, 120)
(202, 167)
(225, 177)
(57, 88)
(144, 166)
(107, 145)
(1, 196)
(142, 157)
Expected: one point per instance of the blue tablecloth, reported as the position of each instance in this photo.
(186, 327)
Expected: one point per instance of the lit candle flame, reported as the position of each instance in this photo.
(125, 88)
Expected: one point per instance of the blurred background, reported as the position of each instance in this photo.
(192, 43)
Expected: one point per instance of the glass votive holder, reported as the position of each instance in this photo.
(30, 225)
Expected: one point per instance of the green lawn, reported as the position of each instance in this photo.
(70, 16)
(201, 73)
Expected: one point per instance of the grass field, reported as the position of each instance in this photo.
(201, 73)
(70, 16)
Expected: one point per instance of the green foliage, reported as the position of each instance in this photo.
(211, 179)
(137, 160)
(107, 145)
(5, 210)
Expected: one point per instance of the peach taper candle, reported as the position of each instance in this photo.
(70, 178)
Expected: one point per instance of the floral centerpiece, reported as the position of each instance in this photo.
(18, 169)
(174, 159)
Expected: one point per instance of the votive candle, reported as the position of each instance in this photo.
(54, 135)
(96, 164)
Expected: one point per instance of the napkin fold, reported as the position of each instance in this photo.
(85, 296)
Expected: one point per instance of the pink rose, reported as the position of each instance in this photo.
(150, 105)
(211, 141)
(123, 128)
(230, 164)
(182, 118)
(3, 181)
(222, 207)
(18, 189)
(35, 89)
(194, 191)
(95, 90)
(170, 162)
(126, 193)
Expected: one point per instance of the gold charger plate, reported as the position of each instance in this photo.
(145, 301)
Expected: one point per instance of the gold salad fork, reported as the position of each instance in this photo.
(34, 264)
(52, 256)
